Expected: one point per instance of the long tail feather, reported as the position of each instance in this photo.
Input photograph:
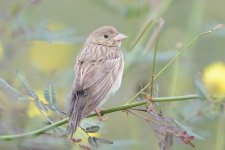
(75, 113)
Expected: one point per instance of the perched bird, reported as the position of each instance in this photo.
(99, 69)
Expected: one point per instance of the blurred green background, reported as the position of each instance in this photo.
(42, 38)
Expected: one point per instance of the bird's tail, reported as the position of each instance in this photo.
(75, 114)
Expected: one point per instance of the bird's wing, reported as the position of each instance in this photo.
(95, 78)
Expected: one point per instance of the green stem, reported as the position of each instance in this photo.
(141, 34)
(153, 18)
(175, 58)
(107, 111)
(160, 23)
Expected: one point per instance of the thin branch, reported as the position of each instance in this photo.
(160, 25)
(151, 22)
(107, 111)
(154, 35)
(141, 34)
(218, 27)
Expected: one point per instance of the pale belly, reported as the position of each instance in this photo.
(114, 88)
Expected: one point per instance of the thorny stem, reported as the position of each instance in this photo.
(107, 111)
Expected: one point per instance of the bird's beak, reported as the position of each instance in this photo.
(120, 37)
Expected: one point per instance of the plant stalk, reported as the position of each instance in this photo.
(107, 111)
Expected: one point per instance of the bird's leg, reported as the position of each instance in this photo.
(100, 117)
(75, 140)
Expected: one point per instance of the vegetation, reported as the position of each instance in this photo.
(167, 96)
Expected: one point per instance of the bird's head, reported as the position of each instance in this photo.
(106, 36)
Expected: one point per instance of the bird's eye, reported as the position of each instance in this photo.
(106, 36)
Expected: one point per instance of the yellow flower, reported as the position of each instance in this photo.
(84, 137)
(32, 108)
(50, 56)
(214, 79)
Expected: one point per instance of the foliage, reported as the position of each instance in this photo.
(43, 44)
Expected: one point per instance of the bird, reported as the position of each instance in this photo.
(98, 74)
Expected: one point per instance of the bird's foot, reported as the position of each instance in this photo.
(75, 140)
(99, 115)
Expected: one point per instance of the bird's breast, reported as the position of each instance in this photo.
(117, 82)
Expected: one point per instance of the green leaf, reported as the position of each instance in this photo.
(9, 89)
(49, 94)
(189, 132)
(31, 92)
(104, 141)
(92, 129)
(92, 141)
(42, 105)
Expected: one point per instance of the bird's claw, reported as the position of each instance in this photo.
(99, 115)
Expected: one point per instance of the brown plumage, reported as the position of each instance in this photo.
(99, 70)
